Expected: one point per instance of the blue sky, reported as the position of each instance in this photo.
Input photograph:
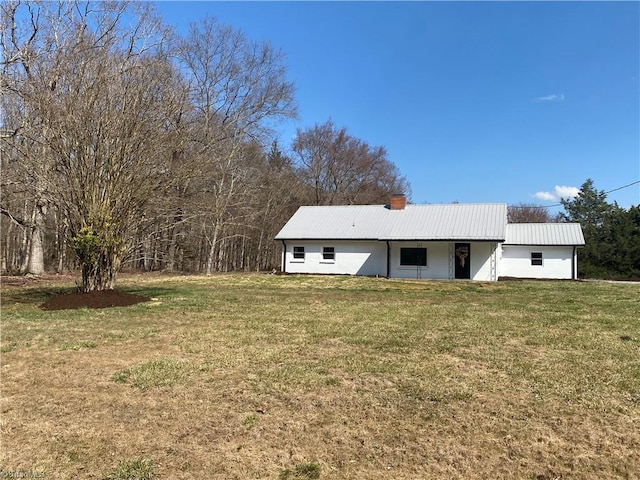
(515, 102)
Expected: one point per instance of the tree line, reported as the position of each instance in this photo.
(126, 144)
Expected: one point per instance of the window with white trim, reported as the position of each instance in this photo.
(329, 254)
(536, 259)
(298, 253)
(410, 256)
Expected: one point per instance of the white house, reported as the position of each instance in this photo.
(400, 240)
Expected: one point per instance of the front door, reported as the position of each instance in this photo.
(462, 260)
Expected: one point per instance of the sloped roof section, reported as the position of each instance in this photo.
(454, 221)
(539, 234)
(352, 222)
(482, 222)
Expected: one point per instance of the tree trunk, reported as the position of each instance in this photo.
(61, 245)
(212, 251)
(100, 253)
(34, 264)
(170, 263)
(100, 275)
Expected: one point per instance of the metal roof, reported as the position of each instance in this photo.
(544, 234)
(415, 222)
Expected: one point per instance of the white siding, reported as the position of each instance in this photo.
(440, 263)
(481, 261)
(557, 262)
(370, 258)
(351, 258)
(437, 261)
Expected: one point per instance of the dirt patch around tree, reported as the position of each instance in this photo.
(97, 299)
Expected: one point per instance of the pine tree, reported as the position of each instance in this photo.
(612, 234)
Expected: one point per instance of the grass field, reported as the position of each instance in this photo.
(303, 377)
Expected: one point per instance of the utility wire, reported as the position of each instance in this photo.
(560, 204)
(624, 186)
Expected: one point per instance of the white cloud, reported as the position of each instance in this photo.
(550, 197)
(554, 97)
(563, 191)
(559, 192)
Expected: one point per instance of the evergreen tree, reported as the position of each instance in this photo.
(612, 234)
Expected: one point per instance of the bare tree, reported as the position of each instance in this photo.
(338, 168)
(98, 97)
(23, 199)
(134, 145)
(279, 193)
(238, 88)
(529, 213)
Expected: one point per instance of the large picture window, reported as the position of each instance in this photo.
(298, 253)
(413, 257)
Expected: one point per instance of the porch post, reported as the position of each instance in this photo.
(284, 257)
(388, 260)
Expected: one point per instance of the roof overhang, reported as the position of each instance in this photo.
(392, 239)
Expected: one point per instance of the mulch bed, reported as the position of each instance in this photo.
(98, 299)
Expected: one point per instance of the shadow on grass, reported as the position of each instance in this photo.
(39, 296)
(34, 296)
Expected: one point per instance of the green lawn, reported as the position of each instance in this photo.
(300, 377)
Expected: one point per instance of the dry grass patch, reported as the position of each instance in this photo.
(285, 377)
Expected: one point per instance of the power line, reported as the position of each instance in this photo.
(560, 204)
(624, 186)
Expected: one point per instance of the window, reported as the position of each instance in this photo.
(298, 253)
(328, 253)
(413, 257)
(536, 258)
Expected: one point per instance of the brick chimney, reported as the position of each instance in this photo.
(398, 202)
